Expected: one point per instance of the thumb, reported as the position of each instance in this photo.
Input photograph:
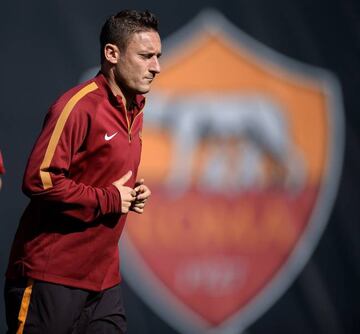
(125, 178)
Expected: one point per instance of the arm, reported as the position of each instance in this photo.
(2, 169)
(46, 175)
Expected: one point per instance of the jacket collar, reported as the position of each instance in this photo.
(117, 100)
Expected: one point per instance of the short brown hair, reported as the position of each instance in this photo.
(119, 27)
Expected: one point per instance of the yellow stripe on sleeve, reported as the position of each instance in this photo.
(24, 307)
(45, 176)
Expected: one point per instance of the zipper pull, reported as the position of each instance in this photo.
(129, 137)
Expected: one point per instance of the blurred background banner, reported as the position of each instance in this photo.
(242, 149)
(250, 147)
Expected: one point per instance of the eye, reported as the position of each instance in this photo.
(146, 55)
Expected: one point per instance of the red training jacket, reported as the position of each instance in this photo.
(2, 169)
(69, 232)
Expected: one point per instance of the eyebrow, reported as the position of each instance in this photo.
(150, 53)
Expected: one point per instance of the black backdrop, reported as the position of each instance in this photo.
(45, 45)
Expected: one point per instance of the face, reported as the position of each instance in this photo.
(138, 65)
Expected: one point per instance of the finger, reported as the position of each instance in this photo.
(143, 196)
(141, 189)
(138, 188)
(139, 182)
(138, 210)
(139, 205)
(125, 178)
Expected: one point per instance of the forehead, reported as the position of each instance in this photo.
(145, 40)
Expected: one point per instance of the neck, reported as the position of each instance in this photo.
(116, 87)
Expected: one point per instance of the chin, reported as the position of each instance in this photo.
(144, 90)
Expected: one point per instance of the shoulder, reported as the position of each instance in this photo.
(79, 97)
(75, 107)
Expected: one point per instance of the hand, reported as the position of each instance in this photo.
(142, 194)
(127, 194)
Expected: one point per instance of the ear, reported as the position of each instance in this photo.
(111, 53)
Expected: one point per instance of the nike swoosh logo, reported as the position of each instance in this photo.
(110, 137)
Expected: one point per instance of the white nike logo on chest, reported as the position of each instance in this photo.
(110, 137)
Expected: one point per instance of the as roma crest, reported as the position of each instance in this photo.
(242, 149)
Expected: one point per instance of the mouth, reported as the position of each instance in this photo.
(148, 81)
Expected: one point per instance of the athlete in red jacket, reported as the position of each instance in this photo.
(81, 179)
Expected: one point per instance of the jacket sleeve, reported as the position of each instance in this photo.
(2, 169)
(47, 173)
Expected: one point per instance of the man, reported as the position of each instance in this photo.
(2, 169)
(63, 274)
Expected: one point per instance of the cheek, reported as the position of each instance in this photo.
(132, 71)
(138, 73)
(125, 69)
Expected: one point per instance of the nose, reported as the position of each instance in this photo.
(155, 66)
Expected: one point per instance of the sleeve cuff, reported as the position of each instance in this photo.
(111, 200)
(114, 199)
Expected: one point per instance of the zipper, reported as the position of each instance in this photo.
(129, 126)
